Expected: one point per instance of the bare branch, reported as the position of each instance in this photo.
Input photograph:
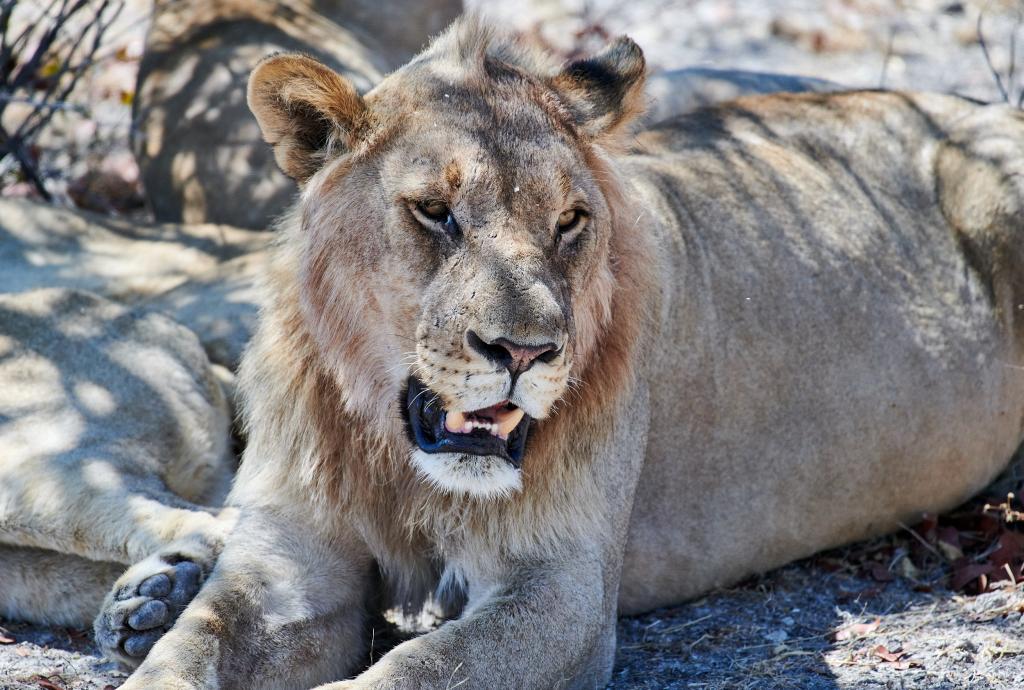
(988, 59)
(43, 64)
(888, 58)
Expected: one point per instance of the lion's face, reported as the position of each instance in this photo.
(457, 266)
(503, 235)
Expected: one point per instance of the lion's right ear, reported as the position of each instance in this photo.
(305, 110)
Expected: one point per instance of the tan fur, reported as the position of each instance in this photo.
(198, 149)
(113, 444)
(774, 342)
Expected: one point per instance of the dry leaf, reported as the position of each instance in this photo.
(895, 659)
(949, 551)
(50, 68)
(882, 653)
(857, 630)
(907, 569)
(880, 573)
(47, 684)
(966, 573)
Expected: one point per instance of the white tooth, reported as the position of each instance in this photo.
(454, 420)
(509, 421)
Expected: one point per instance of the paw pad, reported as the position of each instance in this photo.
(141, 613)
(149, 615)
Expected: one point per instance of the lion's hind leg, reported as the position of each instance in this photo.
(980, 174)
(50, 588)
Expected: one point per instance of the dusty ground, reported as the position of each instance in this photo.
(780, 632)
(898, 624)
(776, 631)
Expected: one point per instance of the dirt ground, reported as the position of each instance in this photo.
(892, 613)
(780, 631)
(816, 624)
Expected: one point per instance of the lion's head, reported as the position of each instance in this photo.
(457, 225)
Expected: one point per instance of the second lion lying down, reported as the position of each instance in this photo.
(508, 352)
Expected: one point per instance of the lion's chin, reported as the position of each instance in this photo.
(482, 476)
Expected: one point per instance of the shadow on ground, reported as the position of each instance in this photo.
(775, 631)
(780, 631)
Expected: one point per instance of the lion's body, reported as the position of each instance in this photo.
(199, 152)
(835, 358)
(790, 322)
(113, 443)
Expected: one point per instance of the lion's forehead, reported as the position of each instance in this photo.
(478, 166)
(506, 112)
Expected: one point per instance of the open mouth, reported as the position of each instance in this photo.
(498, 430)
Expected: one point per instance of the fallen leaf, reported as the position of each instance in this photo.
(50, 68)
(22, 651)
(880, 573)
(882, 653)
(966, 573)
(907, 569)
(1010, 551)
(948, 543)
(899, 665)
(47, 684)
(6, 640)
(857, 630)
(926, 528)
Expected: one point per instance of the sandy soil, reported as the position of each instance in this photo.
(809, 625)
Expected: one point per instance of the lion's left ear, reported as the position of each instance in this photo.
(305, 110)
(604, 91)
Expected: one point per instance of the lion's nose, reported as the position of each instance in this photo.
(516, 357)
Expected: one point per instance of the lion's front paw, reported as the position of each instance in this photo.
(144, 604)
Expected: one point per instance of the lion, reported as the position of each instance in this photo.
(199, 152)
(114, 442)
(518, 359)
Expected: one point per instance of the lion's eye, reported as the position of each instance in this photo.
(569, 219)
(435, 210)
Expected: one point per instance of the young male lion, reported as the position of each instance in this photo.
(506, 352)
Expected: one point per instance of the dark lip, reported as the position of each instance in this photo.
(425, 422)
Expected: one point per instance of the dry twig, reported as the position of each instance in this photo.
(41, 63)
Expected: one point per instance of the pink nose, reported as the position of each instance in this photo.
(515, 357)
